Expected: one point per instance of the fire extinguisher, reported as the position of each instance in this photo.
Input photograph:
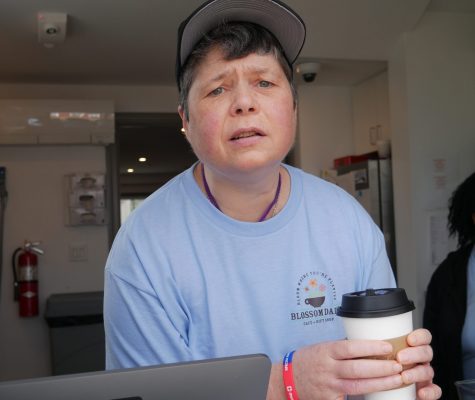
(25, 278)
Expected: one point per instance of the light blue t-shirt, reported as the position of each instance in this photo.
(185, 282)
(468, 332)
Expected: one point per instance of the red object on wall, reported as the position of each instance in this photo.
(353, 159)
(28, 283)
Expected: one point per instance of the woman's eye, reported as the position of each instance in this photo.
(217, 91)
(265, 84)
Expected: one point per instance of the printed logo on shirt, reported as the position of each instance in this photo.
(316, 299)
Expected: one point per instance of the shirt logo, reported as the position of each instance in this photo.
(315, 299)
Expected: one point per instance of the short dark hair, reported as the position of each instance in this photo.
(461, 209)
(236, 40)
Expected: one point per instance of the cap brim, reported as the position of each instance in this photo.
(276, 17)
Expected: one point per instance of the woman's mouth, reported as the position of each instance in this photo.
(246, 134)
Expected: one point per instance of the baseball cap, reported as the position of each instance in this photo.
(278, 18)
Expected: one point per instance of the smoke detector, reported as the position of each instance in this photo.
(51, 28)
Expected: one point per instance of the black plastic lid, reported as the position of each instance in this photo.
(375, 303)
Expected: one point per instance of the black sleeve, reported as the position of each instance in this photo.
(432, 317)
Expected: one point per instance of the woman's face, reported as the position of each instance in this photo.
(241, 114)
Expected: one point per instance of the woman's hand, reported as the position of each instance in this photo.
(331, 370)
(420, 353)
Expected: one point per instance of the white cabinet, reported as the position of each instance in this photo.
(56, 121)
(371, 121)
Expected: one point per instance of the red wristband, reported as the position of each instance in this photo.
(289, 385)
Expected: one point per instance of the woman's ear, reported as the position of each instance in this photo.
(184, 122)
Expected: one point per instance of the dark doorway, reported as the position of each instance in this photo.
(156, 137)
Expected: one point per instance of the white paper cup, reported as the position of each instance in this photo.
(380, 314)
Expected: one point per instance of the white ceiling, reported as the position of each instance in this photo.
(133, 41)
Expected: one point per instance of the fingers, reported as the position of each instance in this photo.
(363, 368)
(333, 369)
(357, 374)
(419, 337)
(364, 386)
(420, 373)
(347, 349)
(419, 353)
(429, 391)
(415, 355)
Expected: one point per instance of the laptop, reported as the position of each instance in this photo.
(230, 378)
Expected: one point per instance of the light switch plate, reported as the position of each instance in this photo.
(77, 252)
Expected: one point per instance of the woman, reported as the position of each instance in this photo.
(221, 260)
(450, 303)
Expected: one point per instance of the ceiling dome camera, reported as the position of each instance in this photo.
(308, 70)
(309, 76)
(51, 29)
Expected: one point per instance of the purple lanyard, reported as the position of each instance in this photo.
(215, 203)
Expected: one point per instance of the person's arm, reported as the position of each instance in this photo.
(144, 324)
(139, 331)
(329, 371)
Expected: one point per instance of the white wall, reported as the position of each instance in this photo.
(334, 121)
(432, 100)
(325, 126)
(370, 101)
(35, 211)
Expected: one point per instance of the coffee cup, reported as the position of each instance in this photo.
(380, 314)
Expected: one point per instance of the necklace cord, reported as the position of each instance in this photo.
(208, 191)
(272, 205)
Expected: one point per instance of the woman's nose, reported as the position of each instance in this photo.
(244, 102)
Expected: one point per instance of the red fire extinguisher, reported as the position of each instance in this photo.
(25, 276)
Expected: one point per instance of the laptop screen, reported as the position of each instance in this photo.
(231, 378)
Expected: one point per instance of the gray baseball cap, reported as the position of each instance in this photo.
(278, 18)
